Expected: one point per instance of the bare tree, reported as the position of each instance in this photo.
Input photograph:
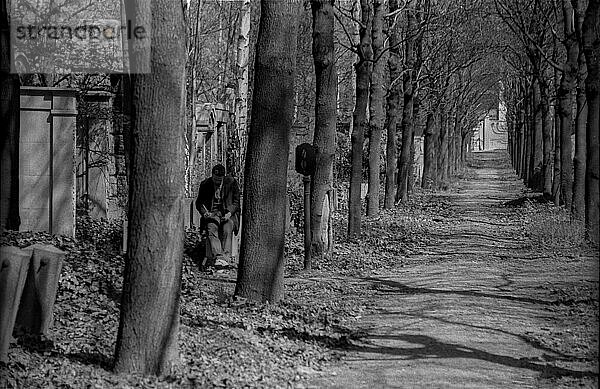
(409, 85)
(243, 79)
(363, 74)
(429, 153)
(578, 207)
(565, 97)
(147, 337)
(9, 135)
(325, 121)
(260, 272)
(393, 102)
(376, 114)
(591, 47)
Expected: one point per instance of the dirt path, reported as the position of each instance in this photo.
(463, 314)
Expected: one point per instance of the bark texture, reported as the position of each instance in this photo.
(325, 122)
(578, 207)
(359, 118)
(260, 273)
(428, 154)
(147, 337)
(243, 77)
(557, 154)
(10, 131)
(565, 108)
(536, 157)
(376, 109)
(406, 124)
(591, 39)
(442, 160)
(547, 139)
(393, 102)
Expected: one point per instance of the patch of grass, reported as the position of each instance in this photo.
(550, 228)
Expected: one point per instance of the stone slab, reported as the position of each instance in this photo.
(14, 264)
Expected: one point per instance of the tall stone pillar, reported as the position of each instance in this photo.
(47, 160)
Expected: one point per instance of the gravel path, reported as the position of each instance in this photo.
(469, 312)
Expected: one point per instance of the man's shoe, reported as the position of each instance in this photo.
(220, 262)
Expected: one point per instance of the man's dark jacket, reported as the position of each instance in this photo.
(230, 194)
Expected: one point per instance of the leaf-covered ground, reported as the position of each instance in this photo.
(223, 343)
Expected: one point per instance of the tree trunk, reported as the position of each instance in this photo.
(591, 47)
(359, 119)
(528, 145)
(410, 181)
(578, 208)
(464, 148)
(242, 68)
(428, 153)
(457, 141)
(325, 120)
(443, 149)
(260, 273)
(527, 112)
(518, 127)
(147, 337)
(535, 181)
(453, 134)
(376, 114)
(393, 101)
(547, 140)
(122, 116)
(567, 86)
(406, 126)
(557, 152)
(10, 133)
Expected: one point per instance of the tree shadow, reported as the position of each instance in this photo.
(337, 337)
(558, 356)
(432, 348)
(222, 280)
(43, 346)
(108, 288)
(91, 359)
(342, 341)
(394, 287)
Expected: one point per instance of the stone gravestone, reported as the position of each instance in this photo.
(35, 315)
(46, 160)
(14, 264)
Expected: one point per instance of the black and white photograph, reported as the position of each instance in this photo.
(299, 194)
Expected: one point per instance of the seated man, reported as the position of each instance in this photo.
(219, 204)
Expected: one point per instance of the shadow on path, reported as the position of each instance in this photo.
(431, 348)
(399, 288)
(558, 356)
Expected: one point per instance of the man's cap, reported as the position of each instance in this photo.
(218, 170)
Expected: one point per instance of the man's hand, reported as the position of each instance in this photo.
(227, 216)
(211, 215)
